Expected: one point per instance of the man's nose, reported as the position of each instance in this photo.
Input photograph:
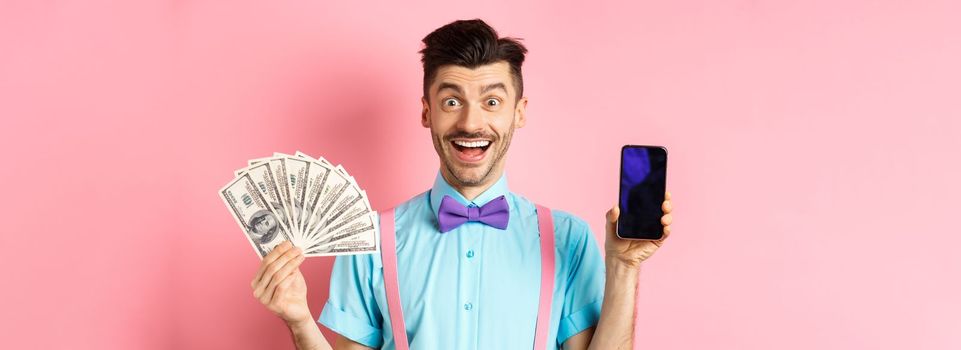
(471, 119)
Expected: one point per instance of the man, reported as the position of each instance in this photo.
(473, 285)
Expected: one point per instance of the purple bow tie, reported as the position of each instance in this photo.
(452, 214)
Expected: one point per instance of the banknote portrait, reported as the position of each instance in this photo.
(263, 227)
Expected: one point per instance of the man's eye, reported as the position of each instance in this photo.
(493, 102)
(451, 102)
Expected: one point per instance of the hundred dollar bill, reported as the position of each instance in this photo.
(351, 205)
(318, 159)
(317, 192)
(317, 187)
(258, 160)
(347, 230)
(279, 170)
(340, 206)
(280, 176)
(361, 236)
(321, 204)
(297, 173)
(263, 178)
(351, 220)
(249, 209)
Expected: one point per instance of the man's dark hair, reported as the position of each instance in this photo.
(470, 43)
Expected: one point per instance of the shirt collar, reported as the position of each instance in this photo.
(442, 188)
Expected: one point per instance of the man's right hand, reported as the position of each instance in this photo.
(280, 286)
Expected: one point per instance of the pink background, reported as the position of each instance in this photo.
(813, 146)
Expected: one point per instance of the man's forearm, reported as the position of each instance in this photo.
(307, 336)
(615, 329)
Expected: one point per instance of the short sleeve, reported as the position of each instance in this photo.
(352, 310)
(584, 292)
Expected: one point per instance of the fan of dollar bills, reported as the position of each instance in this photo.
(308, 201)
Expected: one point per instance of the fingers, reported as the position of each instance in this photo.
(286, 271)
(277, 299)
(279, 250)
(271, 270)
(667, 219)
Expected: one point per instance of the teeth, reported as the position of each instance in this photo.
(472, 144)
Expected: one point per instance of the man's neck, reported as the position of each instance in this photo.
(472, 191)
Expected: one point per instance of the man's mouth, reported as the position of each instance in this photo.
(471, 151)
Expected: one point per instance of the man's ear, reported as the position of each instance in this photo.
(425, 113)
(520, 113)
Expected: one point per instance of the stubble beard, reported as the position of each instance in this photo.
(463, 177)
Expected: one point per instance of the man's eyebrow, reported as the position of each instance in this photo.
(494, 86)
(456, 88)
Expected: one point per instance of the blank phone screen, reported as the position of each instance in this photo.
(642, 186)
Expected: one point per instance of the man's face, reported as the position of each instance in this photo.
(472, 114)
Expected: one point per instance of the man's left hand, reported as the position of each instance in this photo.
(629, 251)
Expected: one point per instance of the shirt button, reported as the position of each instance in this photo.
(470, 253)
(468, 306)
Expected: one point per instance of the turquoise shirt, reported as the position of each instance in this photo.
(475, 287)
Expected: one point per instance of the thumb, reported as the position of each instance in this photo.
(612, 216)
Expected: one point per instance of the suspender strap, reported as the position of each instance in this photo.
(388, 250)
(545, 223)
(388, 246)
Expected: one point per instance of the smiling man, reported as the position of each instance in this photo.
(470, 280)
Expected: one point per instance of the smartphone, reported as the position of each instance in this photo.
(642, 188)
